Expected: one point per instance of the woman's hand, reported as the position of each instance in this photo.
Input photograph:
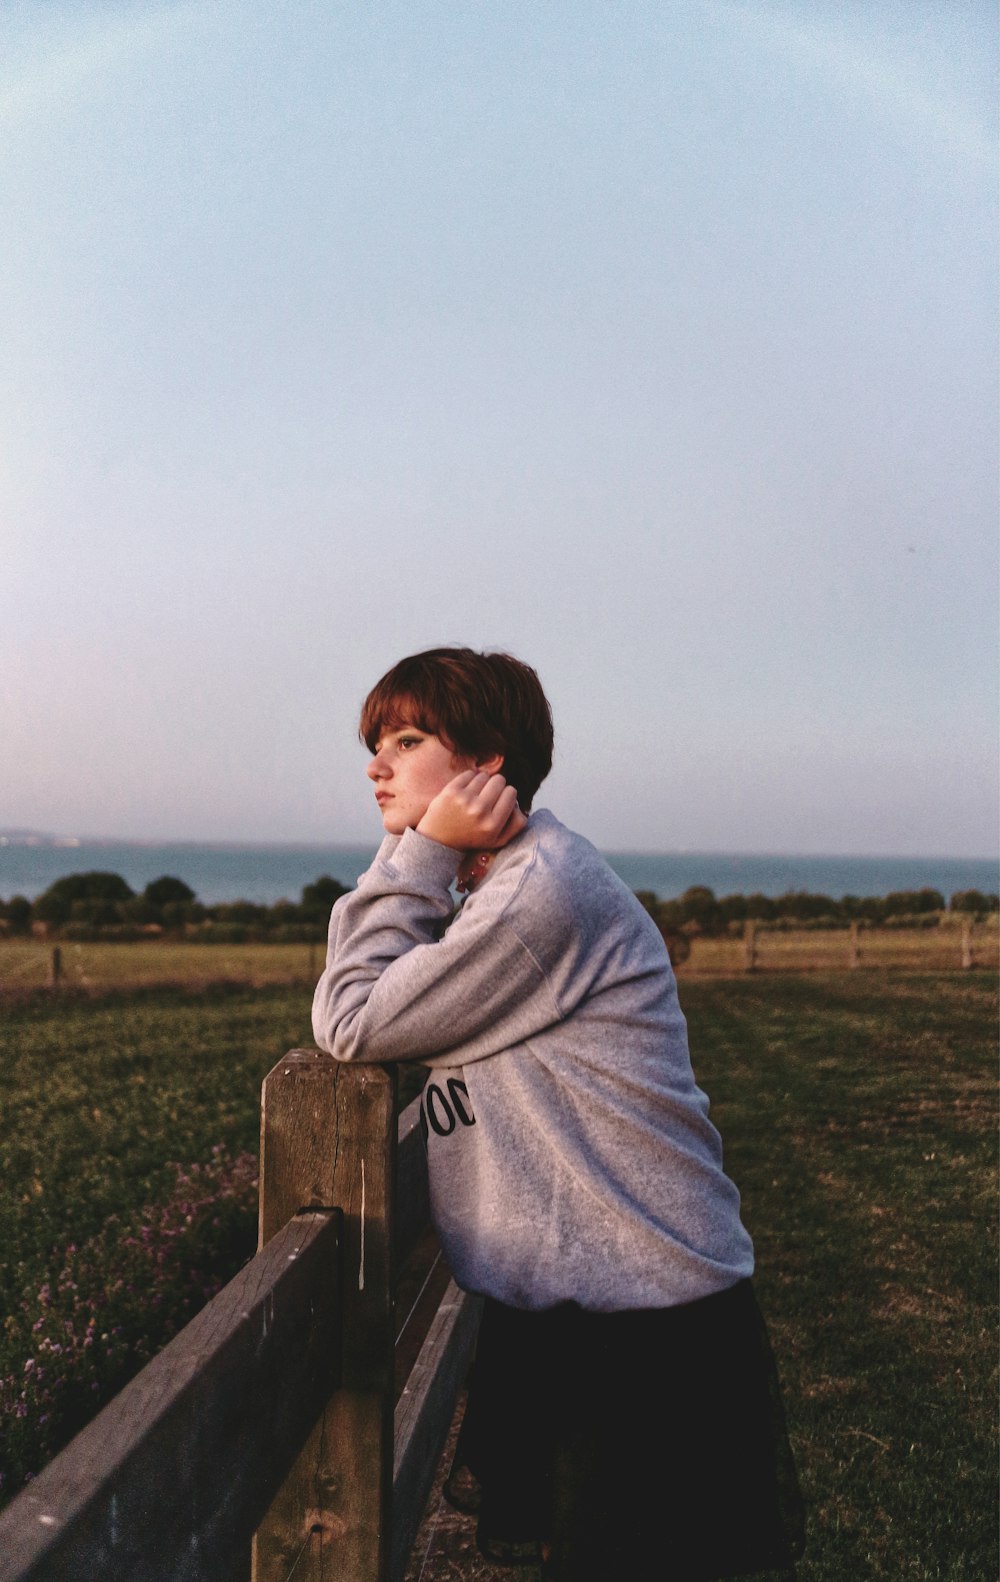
(474, 812)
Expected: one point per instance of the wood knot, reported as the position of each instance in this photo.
(327, 1523)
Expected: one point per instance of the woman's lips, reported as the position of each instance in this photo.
(383, 796)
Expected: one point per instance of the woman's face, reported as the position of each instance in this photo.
(409, 768)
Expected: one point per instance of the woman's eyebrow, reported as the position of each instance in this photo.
(394, 733)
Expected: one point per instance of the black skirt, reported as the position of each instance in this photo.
(644, 1445)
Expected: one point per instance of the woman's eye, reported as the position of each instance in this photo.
(409, 741)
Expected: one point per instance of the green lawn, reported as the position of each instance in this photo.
(858, 1114)
(98, 1095)
(859, 1120)
(127, 1164)
(98, 966)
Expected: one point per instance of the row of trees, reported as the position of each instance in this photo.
(85, 905)
(88, 905)
(700, 911)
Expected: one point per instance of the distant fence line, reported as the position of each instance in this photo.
(963, 944)
(763, 948)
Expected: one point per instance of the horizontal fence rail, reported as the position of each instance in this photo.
(169, 1479)
(424, 1413)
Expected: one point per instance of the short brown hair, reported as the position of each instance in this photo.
(478, 704)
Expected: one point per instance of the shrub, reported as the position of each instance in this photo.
(110, 1304)
(972, 901)
(908, 903)
(167, 891)
(318, 899)
(86, 897)
(16, 915)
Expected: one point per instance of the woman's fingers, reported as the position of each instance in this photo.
(477, 789)
(516, 822)
(493, 789)
(474, 810)
(496, 803)
(462, 779)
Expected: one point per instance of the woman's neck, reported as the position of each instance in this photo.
(473, 869)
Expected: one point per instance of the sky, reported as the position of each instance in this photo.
(654, 343)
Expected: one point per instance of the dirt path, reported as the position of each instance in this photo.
(445, 1546)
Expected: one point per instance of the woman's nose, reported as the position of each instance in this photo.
(377, 769)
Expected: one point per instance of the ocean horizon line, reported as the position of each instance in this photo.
(268, 871)
(39, 840)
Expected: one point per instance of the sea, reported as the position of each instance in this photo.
(266, 874)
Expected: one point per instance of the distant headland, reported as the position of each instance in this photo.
(37, 837)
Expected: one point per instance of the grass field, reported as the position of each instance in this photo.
(98, 966)
(99, 1095)
(25, 964)
(859, 1117)
(105, 1248)
(859, 1120)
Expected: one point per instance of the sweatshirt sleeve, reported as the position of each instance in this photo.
(394, 990)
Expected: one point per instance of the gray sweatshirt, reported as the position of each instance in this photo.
(569, 1148)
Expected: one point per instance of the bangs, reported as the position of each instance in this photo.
(391, 713)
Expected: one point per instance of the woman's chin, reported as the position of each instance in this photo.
(393, 823)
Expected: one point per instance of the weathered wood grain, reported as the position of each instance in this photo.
(170, 1478)
(328, 1132)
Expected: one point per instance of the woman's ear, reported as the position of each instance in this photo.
(491, 765)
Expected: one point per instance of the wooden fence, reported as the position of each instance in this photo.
(293, 1428)
(99, 966)
(762, 948)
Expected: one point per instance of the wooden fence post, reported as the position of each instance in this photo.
(968, 960)
(328, 1139)
(854, 946)
(750, 945)
(55, 967)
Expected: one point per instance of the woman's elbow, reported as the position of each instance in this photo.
(339, 1036)
(321, 1036)
(330, 1025)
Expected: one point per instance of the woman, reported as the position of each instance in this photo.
(623, 1418)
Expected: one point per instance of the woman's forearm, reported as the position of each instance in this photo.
(394, 990)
